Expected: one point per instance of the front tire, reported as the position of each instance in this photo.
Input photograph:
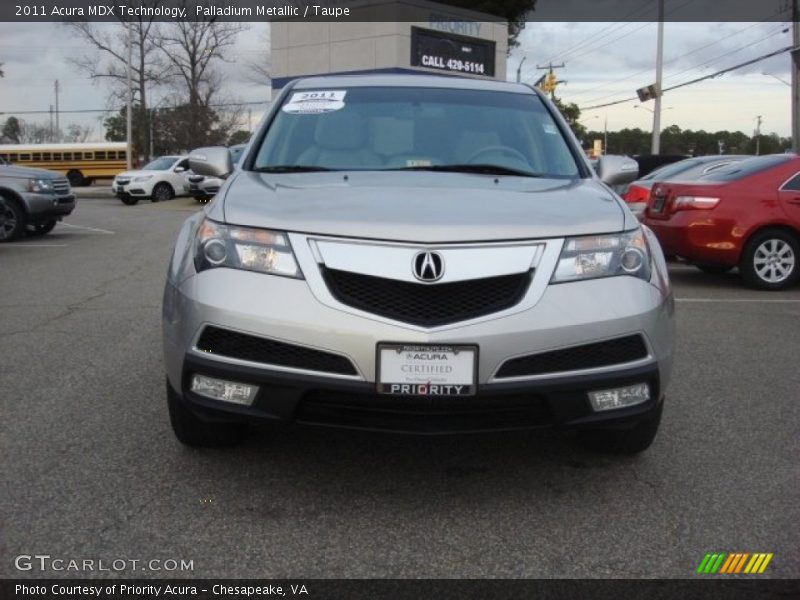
(162, 192)
(41, 228)
(12, 220)
(770, 260)
(194, 432)
(623, 441)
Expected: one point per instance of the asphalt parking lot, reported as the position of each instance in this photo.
(92, 470)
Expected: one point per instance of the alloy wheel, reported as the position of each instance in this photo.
(774, 260)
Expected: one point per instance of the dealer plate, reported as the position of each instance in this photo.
(422, 370)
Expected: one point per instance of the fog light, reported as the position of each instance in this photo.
(620, 397)
(227, 391)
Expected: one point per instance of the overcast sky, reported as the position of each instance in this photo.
(605, 62)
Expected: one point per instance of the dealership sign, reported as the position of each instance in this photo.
(452, 52)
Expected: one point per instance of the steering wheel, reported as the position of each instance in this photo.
(507, 150)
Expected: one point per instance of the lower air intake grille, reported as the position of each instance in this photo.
(414, 414)
(255, 349)
(588, 356)
(426, 305)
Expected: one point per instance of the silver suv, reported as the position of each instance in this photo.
(416, 254)
(32, 201)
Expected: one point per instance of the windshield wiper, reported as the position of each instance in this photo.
(291, 169)
(486, 169)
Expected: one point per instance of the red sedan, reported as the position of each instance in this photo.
(746, 215)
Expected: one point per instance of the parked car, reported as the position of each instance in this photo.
(204, 188)
(160, 179)
(32, 201)
(744, 215)
(689, 169)
(420, 254)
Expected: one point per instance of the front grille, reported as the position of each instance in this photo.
(426, 305)
(416, 414)
(123, 180)
(61, 186)
(589, 356)
(215, 340)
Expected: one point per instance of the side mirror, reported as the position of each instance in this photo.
(179, 169)
(617, 170)
(214, 161)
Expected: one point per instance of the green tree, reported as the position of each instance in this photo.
(239, 137)
(571, 113)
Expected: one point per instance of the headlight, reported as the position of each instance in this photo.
(40, 185)
(604, 256)
(142, 177)
(262, 250)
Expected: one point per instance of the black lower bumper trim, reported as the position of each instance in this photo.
(323, 401)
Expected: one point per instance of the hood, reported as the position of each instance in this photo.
(28, 173)
(419, 206)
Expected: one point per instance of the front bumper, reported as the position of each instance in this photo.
(286, 310)
(560, 402)
(47, 207)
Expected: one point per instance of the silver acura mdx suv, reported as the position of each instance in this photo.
(416, 254)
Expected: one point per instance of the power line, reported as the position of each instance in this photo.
(699, 79)
(672, 76)
(670, 61)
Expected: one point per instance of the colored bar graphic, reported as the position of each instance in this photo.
(741, 562)
(718, 563)
(703, 563)
(764, 564)
(733, 562)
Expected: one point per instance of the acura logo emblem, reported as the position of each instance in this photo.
(428, 266)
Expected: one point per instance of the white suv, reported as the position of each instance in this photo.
(160, 179)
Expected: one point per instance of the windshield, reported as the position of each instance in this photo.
(160, 164)
(396, 128)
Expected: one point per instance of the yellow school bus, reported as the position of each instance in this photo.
(81, 163)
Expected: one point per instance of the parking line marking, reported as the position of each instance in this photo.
(34, 245)
(106, 231)
(741, 300)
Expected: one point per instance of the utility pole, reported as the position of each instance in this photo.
(52, 136)
(605, 135)
(796, 76)
(519, 69)
(57, 129)
(551, 76)
(129, 98)
(758, 134)
(656, 146)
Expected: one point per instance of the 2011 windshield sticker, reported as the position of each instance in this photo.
(308, 103)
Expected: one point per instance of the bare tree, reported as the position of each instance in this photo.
(108, 62)
(77, 133)
(259, 70)
(194, 49)
(35, 133)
